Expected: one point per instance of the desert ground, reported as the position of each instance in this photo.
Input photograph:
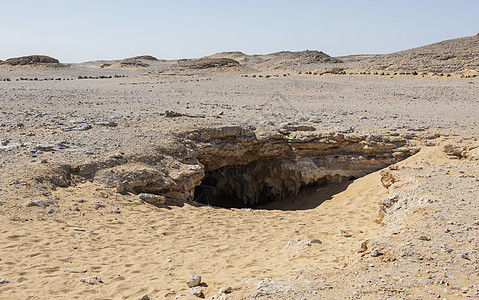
(293, 175)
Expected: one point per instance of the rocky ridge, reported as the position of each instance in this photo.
(271, 167)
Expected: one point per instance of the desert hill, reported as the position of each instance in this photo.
(283, 60)
(31, 59)
(459, 55)
(32, 62)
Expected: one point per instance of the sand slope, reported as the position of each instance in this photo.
(138, 248)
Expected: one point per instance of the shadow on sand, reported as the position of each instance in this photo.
(308, 197)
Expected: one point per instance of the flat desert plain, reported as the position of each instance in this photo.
(284, 176)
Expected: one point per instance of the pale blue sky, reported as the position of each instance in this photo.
(74, 30)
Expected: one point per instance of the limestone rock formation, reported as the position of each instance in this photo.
(230, 162)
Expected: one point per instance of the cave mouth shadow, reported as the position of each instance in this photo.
(309, 197)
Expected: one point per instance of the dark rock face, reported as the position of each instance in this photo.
(31, 60)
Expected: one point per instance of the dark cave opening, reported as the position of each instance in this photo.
(255, 184)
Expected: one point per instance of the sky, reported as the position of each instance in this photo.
(77, 31)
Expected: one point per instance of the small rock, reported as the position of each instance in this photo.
(375, 253)
(78, 229)
(393, 167)
(152, 198)
(82, 127)
(74, 271)
(99, 205)
(144, 297)
(3, 280)
(424, 238)
(91, 280)
(225, 290)
(40, 203)
(197, 291)
(363, 247)
(194, 280)
(106, 123)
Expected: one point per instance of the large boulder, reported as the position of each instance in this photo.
(31, 60)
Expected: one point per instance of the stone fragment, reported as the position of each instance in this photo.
(144, 297)
(3, 280)
(194, 280)
(344, 233)
(82, 127)
(91, 280)
(106, 123)
(197, 291)
(363, 247)
(375, 253)
(225, 290)
(74, 271)
(40, 203)
(50, 146)
(288, 127)
(152, 198)
(78, 229)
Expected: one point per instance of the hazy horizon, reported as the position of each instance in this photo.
(108, 30)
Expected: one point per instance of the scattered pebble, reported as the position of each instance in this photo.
(40, 203)
(144, 297)
(197, 291)
(91, 280)
(78, 229)
(152, 198)
(376, 252)
(74, 271)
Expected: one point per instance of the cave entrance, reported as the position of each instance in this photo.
(266, 184)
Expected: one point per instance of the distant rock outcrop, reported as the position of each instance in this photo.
(304, 57)
(145, 57)
(134, 63)
(459, 55)
(207, 63)
(31, 60)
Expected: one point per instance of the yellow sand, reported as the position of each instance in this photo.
(146, 249)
